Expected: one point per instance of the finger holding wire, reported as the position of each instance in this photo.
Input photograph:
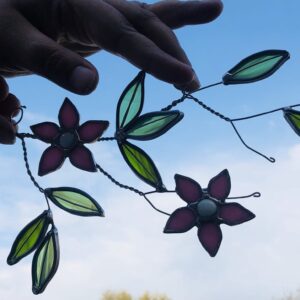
(10, 107)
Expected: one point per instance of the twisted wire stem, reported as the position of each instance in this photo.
(21, 137)
(106, 139)
(231, 121)
(26, 135)
(206, 107)
(130, 188)
(225, 118)
(175, 103)
(123, 186)
(32, 136)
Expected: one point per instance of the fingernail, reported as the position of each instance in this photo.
(191, 86)
(83, 80)
(194, 84)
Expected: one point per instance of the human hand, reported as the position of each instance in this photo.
(51, 37)
(9, 108)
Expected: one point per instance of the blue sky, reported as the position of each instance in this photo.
(127, 249)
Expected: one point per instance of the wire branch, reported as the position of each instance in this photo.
(255, 195)
(140, 193)
(264, 113)
(207, 87)
(27, 164)
(270, 159)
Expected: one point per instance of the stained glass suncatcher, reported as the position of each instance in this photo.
(206, 209)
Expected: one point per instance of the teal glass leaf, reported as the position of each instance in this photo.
(293, 118)
(74, 201)
(256, 67)
(131, 101)
(152, 125)
(45, 262)
(29, 238)
(142, 165)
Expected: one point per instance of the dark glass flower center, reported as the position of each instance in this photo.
(68, 140)
(207, 209)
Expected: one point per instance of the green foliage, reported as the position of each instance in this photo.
(148, 296)
(116, 296)
(109, 295)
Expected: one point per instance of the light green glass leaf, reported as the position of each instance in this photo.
(142, 165)
(74, 201)
(29, 238)
(131, 101)
(152, 125)
(293, 118)
(256, 67)
(45, 262)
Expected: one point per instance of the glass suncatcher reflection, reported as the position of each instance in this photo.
(206, 208)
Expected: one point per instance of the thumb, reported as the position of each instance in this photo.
(41, 55)
(3, 89)
(7, 131)
(8, 105)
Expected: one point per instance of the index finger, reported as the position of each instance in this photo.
(114, 33)
(180, 13)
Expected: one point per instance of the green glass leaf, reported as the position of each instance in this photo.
(131, 101)
(74, 201)
(256, 67)
(29, 238)
(45, 262)
(293, 118)
(142, 165)
(152, 125)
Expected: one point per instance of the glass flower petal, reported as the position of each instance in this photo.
(292, 116)
(46, 131)
(51, 160)
(181, 220)
(188, 189)
(234, 214)
(219, 186)
(74, 201)
(152, 125)
(142, 165)
(91, 130)
(256, 67)
(210, 236)
(131, 101)
(45, 262)
(29, 238)
(68, 115)
(82, 158)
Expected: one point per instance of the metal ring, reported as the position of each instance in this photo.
(21, 109)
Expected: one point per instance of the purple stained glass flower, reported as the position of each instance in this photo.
(206, 209)
(68, 140)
